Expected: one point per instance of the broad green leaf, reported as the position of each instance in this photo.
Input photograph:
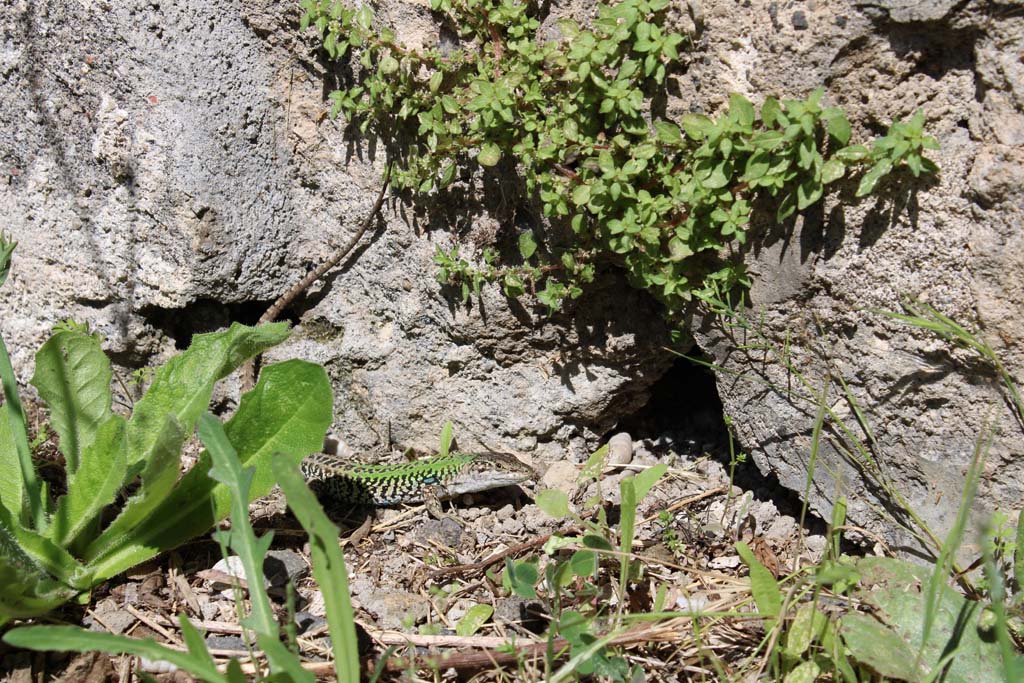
(645, 479)
(73, 376)
(490, 154)
(597, 542)
(96, 484)
(871, 643)
(697, 126)
(832, 170)
(287, 412)
(76, 639)
(892, 589)
(553, 502)
(527, 244)
(328, 566)
(183, 386)
(763, 585)
(806, 672)
(473, 620)
(807, 626)
(871, 178)
(668, 133)
(740, 110)
(158, 479)
(583, 563)
(12, 489)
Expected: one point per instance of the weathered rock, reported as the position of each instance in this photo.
(168, 169)
(956, 244)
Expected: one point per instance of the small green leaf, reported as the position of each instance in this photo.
(527, 244)
(668, 133)
(697, 126)
(490, 154)
(871, 178)
(852, 153)
(763, 585)
(832, 170)
(770, 112)
(388, 65)
(553, 502)
(474, 618)
(447, 176)
(581, 195)
(806, 672)
(583, 563)
(839, 128)
(740, 110)
(446, 439)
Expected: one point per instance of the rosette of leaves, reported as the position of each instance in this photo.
(571, 115)
(52, 549)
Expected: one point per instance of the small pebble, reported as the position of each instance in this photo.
(620, 449)
(799, 20)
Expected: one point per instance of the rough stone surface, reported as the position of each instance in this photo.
(168, 168)
(956, 244)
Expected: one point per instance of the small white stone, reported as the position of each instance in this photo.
(620, 449)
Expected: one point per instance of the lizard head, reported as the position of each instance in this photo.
(489, 470)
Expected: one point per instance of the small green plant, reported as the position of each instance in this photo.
(569, 578)
(52, 550)
(260, 626)
(671, 202)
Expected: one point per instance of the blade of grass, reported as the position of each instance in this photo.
(251, 550)
(328, 567)
(76, 639)
(945, 562)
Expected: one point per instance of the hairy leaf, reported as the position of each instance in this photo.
(287, 412)
(73, 377)
(183, 386)
(99, 477)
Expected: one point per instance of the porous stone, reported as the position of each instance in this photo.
(167, 169)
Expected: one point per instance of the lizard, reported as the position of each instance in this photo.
(427, 480)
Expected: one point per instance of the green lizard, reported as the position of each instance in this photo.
(427, 480)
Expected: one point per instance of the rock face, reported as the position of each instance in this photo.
(819, 282)
(169, 167)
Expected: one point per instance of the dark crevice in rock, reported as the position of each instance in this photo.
(685, 414)
(201, 316)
